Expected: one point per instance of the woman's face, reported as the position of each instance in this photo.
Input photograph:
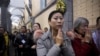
(83, 28)
(35, 27)
(56, 21)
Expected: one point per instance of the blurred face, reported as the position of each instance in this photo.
(6, 33)
(83, 28)
(1, 30)
(56, 21)
(28, 30)
(35, 27)
(23, 29)
(45, 29)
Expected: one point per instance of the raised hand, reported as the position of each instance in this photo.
(70, 34)
(59, 37)
(88, 36)
(38, 33)
(33, 47)
(20, 46)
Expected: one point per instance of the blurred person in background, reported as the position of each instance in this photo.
(36, 28)
(2, 42)
(23, 43)
(82, 41)
(45, 29)
(7, 39)
(96, 34)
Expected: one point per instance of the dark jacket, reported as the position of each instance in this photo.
(22, 40)
(2, 43)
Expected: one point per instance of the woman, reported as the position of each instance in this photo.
(54, 42)
(82, 43)
(36, 28)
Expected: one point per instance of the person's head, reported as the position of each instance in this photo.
(81, 25)
(15, 32)
(2, 30)
(28, 31)
(45, 29)
(23, 29)
(36, 26)
(6, 33)
(56, 19)
(98, 22)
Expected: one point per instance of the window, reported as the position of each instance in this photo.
(42, 4)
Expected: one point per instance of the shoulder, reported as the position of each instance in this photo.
(18, 35)
(44, 36)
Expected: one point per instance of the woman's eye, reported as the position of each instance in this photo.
(55, 18)
(61, 18)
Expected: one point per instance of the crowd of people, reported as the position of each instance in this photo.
(79, 41)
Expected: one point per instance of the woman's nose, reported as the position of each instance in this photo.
(59, 20)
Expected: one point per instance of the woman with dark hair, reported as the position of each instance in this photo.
(36, 26)
(82, 43)
(55, 42)
(33, 39)
(37, 31)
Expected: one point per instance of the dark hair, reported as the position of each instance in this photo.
(45, 28)
(24, 27)
(15, 32)
(97, 21)
(53, 12)
(38, 25)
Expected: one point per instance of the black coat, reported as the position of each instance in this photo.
(22, 40)
(29, 43)
(2, 42)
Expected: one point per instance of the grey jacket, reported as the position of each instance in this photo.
(47, 47)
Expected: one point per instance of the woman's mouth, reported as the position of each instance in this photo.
(59, 26)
